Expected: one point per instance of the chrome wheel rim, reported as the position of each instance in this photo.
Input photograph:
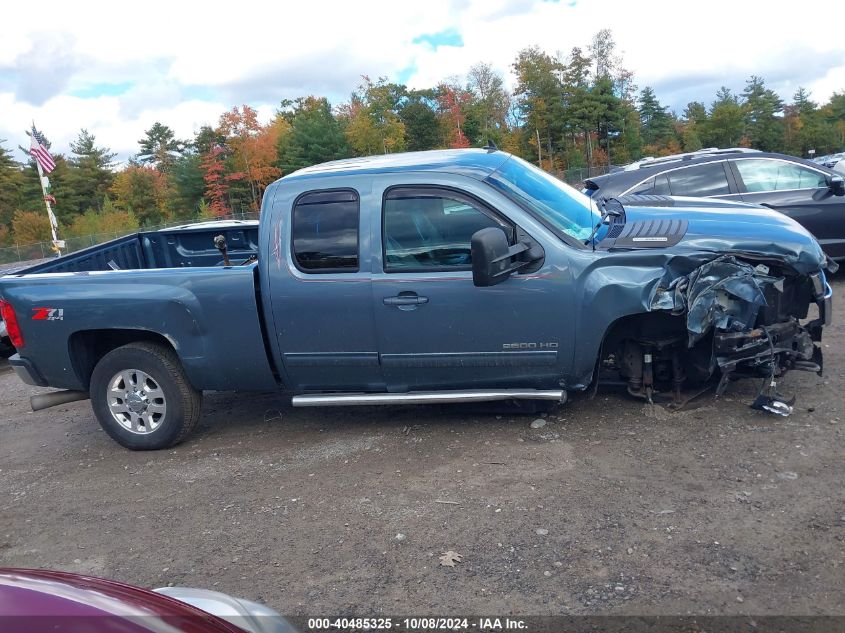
(136, 401)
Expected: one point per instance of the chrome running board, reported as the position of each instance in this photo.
(425, 397)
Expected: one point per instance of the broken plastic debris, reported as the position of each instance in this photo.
(777, 405)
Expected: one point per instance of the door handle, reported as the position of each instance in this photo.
(405, 300)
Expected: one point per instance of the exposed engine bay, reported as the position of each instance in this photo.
(727, 319)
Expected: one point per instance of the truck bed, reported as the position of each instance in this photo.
(210, 314)
(147, 250)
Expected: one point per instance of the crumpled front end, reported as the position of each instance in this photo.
(747, 320)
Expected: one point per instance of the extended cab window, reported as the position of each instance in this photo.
(704, 180)
(430, 229)
(325, 231)
(777, 175)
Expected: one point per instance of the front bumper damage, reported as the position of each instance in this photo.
(756, 320)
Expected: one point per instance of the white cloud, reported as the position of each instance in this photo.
(186, 62)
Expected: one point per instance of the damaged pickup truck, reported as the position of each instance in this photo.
(448, 276)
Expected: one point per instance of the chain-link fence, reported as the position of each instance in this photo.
(578, 175)
(44, 250)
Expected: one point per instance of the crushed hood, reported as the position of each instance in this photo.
(719, 226)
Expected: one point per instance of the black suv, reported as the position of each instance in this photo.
(805, 191)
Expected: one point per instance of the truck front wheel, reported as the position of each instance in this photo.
(142, 398)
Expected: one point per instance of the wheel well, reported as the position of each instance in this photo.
(644, 325)
(87, 347)
(656, 342)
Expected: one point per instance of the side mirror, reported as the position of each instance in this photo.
(836, 185)
(493, 257)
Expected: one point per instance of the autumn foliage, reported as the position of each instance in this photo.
(252, 156)
(216, 182)
(566, 112)
(30, 227)
(453, 102)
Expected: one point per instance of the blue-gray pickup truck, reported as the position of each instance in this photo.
(444, 276)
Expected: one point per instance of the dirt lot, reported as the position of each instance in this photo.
(613, 507)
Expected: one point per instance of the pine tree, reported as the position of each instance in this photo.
(89, 177)
(187, 186)
(422, 131)
(655, 120)
(725, 122)
(11, 181)
(315, 136)
(160, 147)
(762, 125)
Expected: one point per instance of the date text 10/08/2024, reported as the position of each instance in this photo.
(418, 624)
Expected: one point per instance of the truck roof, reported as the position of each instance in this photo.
(478, 163)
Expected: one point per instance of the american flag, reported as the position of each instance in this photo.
(39, 137)
(40, 153)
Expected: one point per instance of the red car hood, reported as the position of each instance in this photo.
(38, 600)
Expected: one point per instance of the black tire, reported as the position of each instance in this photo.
(162, 366)
(6, 348)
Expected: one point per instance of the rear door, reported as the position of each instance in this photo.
(436, 329)
(320, 292)
(703, 180)
(798, 191)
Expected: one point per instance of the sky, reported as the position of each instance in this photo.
(116, 68)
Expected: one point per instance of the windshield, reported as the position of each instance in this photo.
(560, 205)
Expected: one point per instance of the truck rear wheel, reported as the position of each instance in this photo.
(142, 398)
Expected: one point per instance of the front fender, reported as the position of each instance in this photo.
(614, 286)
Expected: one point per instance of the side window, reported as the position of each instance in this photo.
(430, 229)
(661, 185)
(657, 186)
(325, 231)
(777, 175)
(704, 180)
(645, 188)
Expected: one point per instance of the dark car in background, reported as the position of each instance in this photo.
(830, 160)
(808, 192)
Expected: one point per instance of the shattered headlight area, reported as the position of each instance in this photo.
(746, 320)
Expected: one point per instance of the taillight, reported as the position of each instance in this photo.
(13, 329)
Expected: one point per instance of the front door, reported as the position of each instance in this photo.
(800, 192)
(437, 330)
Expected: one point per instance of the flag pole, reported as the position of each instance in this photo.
(51, 218)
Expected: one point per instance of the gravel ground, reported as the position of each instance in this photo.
(612, 506)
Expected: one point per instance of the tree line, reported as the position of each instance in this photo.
(575, 110)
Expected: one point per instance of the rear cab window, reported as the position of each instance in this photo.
(324, 231)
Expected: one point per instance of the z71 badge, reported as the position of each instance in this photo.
(48, 314)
